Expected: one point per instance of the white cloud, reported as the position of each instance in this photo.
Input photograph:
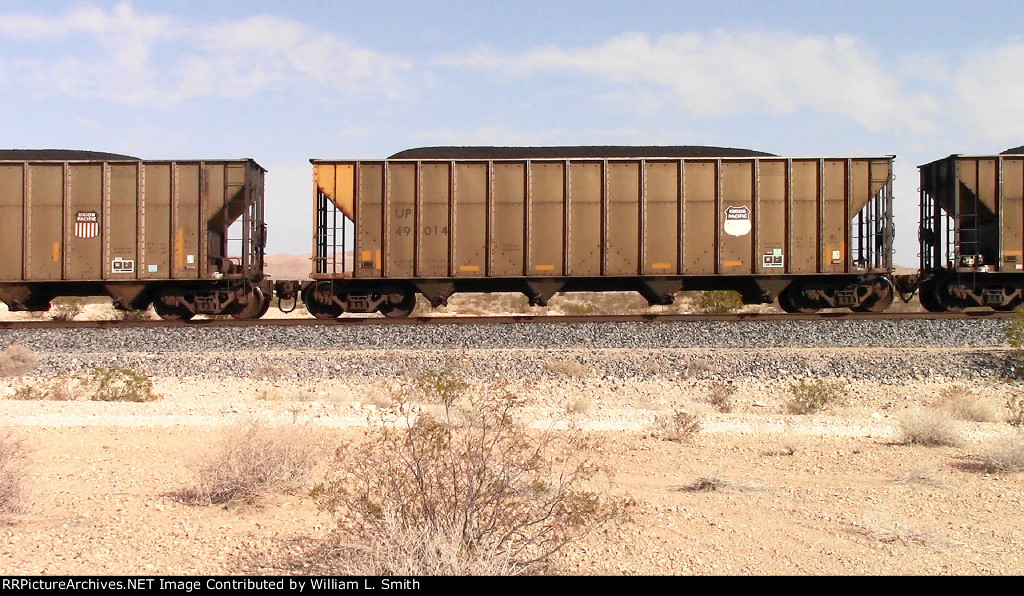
(724, 73)
(926, 66)
(240, 58)
(125, 56)
(120, 22)
(990, 88)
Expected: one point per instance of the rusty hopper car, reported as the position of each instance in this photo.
(141, 232)
(812, 232)
(971, 237)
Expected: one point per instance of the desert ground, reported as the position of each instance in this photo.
(756, 490)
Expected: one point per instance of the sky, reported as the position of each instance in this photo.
(283, 82)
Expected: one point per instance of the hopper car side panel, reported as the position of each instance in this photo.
(508, 219)
(698, 200)
(471, 222)
(546, 226)
(12, 223)
(585, 212)
(803, 217)
(772, 198)
(660, 216)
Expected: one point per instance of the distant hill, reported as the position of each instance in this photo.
(288, 266)
(298, 267)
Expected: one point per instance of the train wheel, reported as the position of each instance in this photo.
(948, 302)
(171, 313)
(328, 312)
(257, 306)
(785, 304)
(266, 307)
(402, 308)
(790, 301)
(318, 309)
(882, 293)
(1009, 306)
(927, 297)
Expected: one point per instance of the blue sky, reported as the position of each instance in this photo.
(283, 82)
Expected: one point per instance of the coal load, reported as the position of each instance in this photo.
(61, 155)
(576, 152)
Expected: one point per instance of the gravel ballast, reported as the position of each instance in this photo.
(959, 333)
(954, 349)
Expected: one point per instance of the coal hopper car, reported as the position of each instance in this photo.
(810, 232)
(141, 232)
(972, 232)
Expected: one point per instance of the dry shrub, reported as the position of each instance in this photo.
(704, 484)
(66, 309)
(574, 308)
(417, 553)
(929, 426)
(438, 386)
(121, 384)
(252, 461)
(488, 304)
(12, 472)
(61, 389)
(471, 490)
(699, 368)
(291, 394)
(720, 396)
(1015, 405)
(422, 308)
(132, 315)
(1005, 453)
(680, 426)
(814, 395)
(716, 302)
(890, 531)
(964, 405)
(789, 444)
(714, 482)
(923, 475)
(600, 303)
(381, 400)
(17, 360)
(1014, 330)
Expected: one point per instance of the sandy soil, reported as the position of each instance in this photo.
(830, 493)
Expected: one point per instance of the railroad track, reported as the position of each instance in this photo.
(504, 320)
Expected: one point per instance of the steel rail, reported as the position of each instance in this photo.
(503, 320)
